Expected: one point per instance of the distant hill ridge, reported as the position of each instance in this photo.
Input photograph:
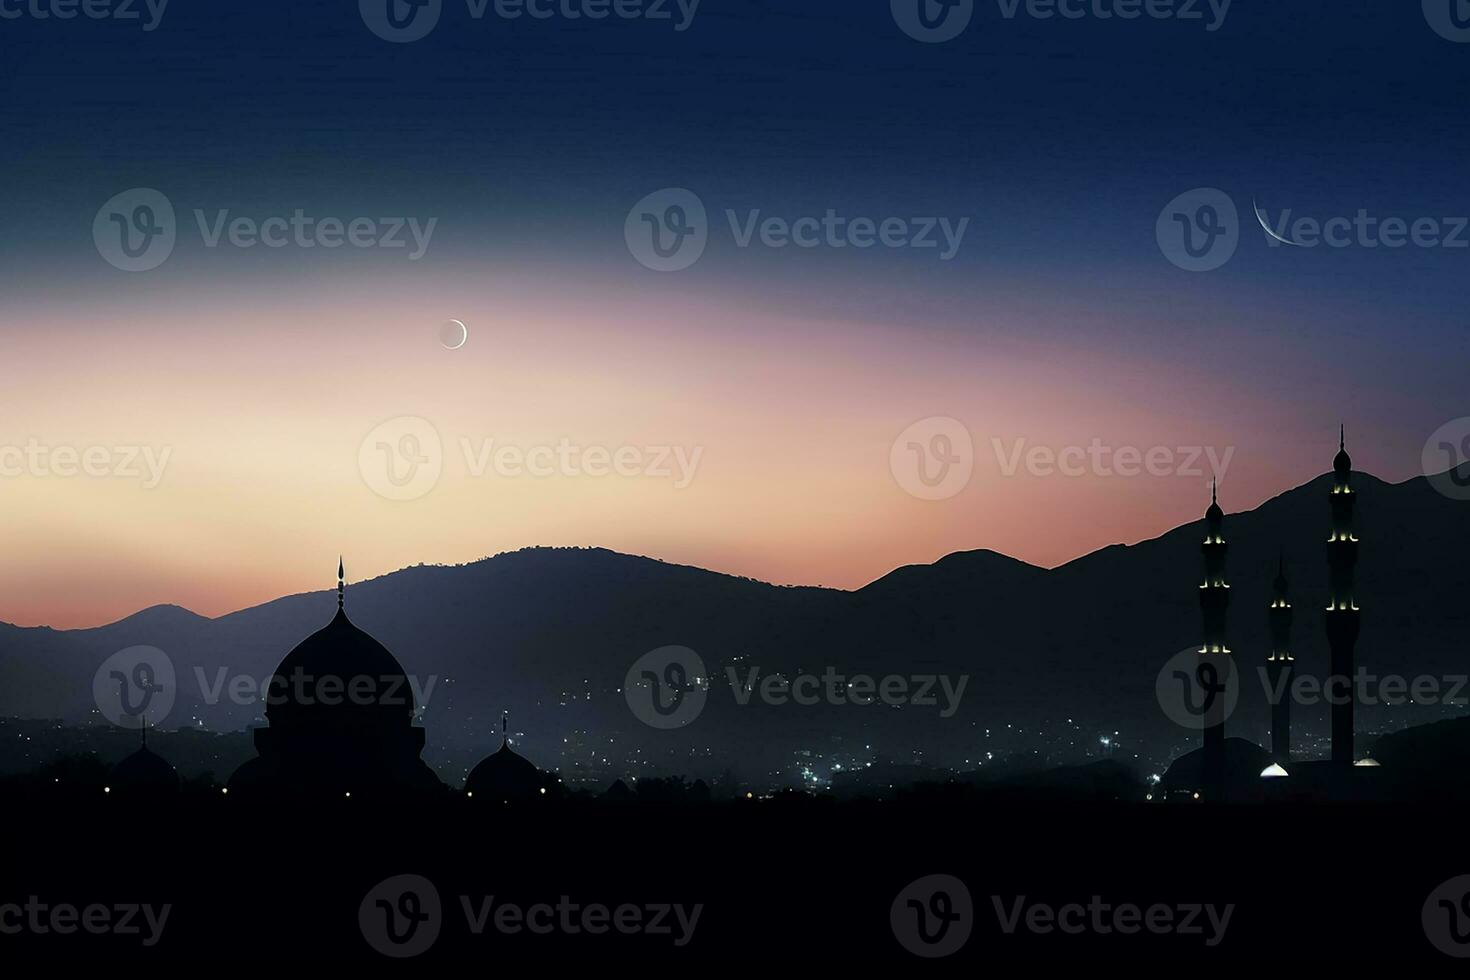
(549, 633)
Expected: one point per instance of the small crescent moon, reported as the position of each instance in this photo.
(1267, 228)
(454, 334)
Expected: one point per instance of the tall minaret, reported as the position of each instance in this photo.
(1215, 666)
(1279, 668)
(1342, 609)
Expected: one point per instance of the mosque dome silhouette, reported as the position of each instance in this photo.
(508, 777)
(144, 773)
(340, 716)
(304, 686)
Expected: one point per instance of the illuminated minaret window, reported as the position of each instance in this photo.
(1342, 607)
(1215, 665)
(1279, 668)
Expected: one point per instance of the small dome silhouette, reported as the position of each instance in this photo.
(143, 773)
(506, 776)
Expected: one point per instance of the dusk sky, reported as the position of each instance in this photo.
(255, 374)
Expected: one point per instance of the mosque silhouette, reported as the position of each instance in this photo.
(340, 716)
(1236, 769)
(340, 710)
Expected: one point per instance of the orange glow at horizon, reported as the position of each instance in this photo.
(261, 408)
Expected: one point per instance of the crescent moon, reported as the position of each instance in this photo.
(447, 334)
(1267, 228)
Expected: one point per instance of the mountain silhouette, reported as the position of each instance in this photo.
(1060, 655)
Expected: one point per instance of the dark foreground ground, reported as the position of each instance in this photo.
(802, 882)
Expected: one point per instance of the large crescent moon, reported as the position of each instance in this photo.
(454, 334)
(1262, 219)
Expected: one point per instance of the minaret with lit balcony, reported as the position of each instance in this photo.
(1215, 666)
(1342, 607)
(1279, 668)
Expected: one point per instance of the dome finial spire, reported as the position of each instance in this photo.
(1214, 487)
(341, 584)
(504, 726)
(1342, 435)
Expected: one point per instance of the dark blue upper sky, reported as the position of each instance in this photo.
(1061, 140)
